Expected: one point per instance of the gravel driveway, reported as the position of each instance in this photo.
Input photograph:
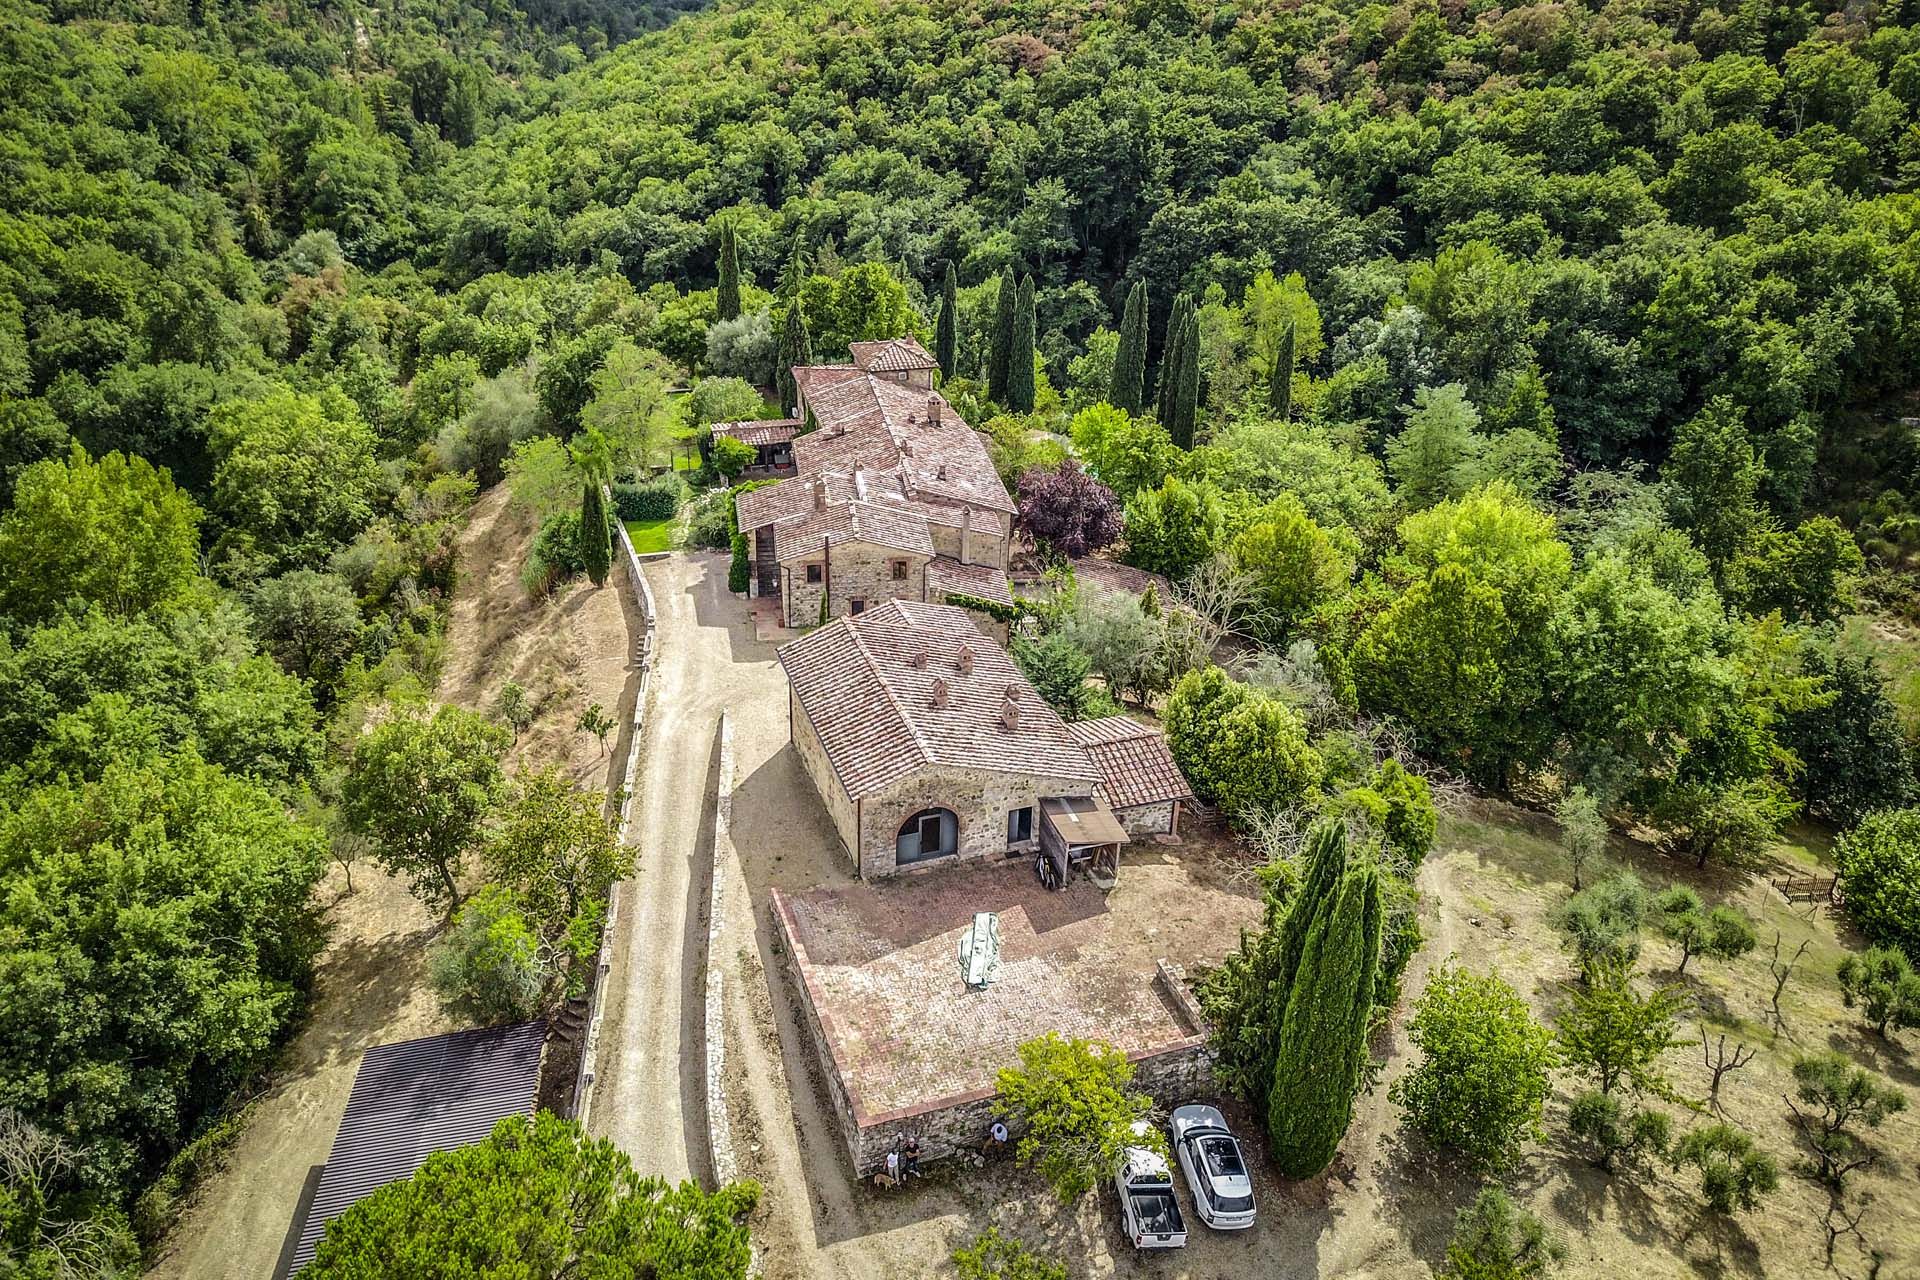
(649, 1095)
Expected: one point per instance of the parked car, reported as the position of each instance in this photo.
(1148, 1208)
(1216, 1171)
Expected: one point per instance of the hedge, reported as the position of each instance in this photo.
(655, 499)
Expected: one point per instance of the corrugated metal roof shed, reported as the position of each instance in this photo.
(417, 1097)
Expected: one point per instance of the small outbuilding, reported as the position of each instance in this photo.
(414, 1098)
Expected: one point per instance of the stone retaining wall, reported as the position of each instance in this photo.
(643, 656)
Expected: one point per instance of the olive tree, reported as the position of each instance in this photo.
(1485, 1067)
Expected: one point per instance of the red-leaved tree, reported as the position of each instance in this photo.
(1065, 509)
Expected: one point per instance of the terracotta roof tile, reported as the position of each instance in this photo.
(802, 535)
(1135, 764)
(946, 575)
(885, 426)
(763, 431)
(875, 712)
(892, 355)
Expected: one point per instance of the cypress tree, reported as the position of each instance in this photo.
(727, 299)
(1128, 389)
(1002, 348)
(1165, 397)
(1247, 995)
(798, 264)
(1322, 1050)
(1020, 388)
(1186, 396)
(1280, 384)
(596, 546)
(946, 331)
(796, 348)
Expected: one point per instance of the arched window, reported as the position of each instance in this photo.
(930, 833)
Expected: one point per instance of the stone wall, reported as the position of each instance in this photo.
(854, 571)
(985, 544)
(818, 1031)
(1171, 1075)
(980, 798)
(813, 757)
(1147, 819)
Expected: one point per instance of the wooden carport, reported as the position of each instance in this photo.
(1079, 831)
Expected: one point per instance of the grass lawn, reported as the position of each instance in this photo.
(650, 535)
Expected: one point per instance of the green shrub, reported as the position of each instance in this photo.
(555, 555)
(993, 1256)
(487, 966)
(1495, 1239)
(739, 570)
(1485, 1069)
(1239, 748)
(1879, 864)
(707, 524)
(656, 499)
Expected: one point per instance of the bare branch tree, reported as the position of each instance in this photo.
(84, 1249)
(1837, 1222)
(1205, 609)
(1781, 973)
(1720, 1065)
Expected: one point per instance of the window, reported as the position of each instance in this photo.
(899, 570)
(930, 833)
(1019, 825)
(856, 606)
(813, 573)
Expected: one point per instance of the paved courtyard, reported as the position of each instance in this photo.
(880, 960)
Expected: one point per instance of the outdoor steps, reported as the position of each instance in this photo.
(570, 1024)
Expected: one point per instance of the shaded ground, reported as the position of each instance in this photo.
(371, 980)
(1387, 1206)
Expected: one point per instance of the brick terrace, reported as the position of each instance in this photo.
(880, 966)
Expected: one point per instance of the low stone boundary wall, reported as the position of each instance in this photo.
(1170, 1073)
(726, 1167)
(643, 657)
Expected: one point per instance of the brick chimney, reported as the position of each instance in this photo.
(933, 411)
(918, 660)
(965, 661)
(939, 692)
(1010, 715)
(819, 493)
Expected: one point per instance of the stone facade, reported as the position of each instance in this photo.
(980, 798)
(1149, 819)
(850, 571)
(977, 539)
(813, 758)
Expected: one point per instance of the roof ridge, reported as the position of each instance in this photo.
(873, 669)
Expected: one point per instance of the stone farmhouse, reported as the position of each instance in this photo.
(928, 747)
(892, 497)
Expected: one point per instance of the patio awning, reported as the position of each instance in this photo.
(1082, 820)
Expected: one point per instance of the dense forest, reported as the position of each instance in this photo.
(1547, 372)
